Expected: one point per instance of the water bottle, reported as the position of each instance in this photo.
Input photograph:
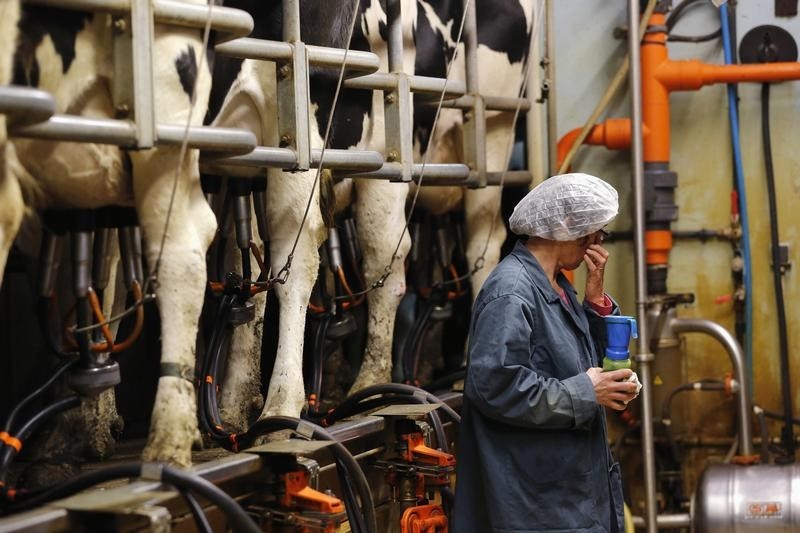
(619, 331)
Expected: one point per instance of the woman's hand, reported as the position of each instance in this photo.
(595, 258)
(612, 388)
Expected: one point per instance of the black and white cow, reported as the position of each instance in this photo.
(11, 213)
(69, 54)
(379, 206)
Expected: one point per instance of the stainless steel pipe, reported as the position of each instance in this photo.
(643, 354)
(665, 521)
(724, 337)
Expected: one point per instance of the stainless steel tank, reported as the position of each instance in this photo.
(732, 498)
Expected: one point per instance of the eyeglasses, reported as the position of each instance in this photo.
(603, 234)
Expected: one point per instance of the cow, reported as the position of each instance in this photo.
(69, 54)
(379, 206)
(11, 214)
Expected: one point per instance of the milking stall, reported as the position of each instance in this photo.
(240, 244)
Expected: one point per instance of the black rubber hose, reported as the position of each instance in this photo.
(238, 519)
(200, 519)
(677, 12)
(666, 409)
(397, 388)
(391, 399)
(60, 369)
(32, 425)
(787, 432)
(342, 455)
(413, 340)
(695, 38)
(779, 416)
(446, 381)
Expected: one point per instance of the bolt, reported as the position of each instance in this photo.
(390, 98)
(122, 111)
(120, 25)
(284, 71)
(286, 139)
(392, 155)
(467, 116)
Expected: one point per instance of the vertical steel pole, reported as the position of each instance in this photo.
(550, 80)
(474, 118)
(293, 93)
(143, 97)
(643, 355)
(397, 103)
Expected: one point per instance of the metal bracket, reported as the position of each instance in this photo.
(124, 503)
(407, 410)
(132, 85)
(293, 112)
(399, 130)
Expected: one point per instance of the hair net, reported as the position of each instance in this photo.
(565, 207)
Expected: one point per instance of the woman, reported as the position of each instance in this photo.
(533, 453)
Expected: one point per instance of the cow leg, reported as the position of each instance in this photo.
(180, 291)
(240, 394)
(380, 217)
(10, 194)
(287, 195)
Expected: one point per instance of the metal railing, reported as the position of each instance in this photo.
(32, 112)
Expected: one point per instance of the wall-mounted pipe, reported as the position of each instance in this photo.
(724, 337)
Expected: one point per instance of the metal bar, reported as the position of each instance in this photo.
(394, 42)
(724, 337)
(474, 138)
(392, 171)
(72, 128)
(534, 138)
(293, 106)
(263, 156)
(142, 66)
(666, 521)
(24, 106)
(318, 56)
(418, 84)
(357, 457)
(228, 23)
(291, 21)
(513, 178)
(550, 81)
(491, 103)
(213, 139)
(644, 357)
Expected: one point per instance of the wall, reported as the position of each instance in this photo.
(701, 155)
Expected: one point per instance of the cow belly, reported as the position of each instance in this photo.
(77, 175)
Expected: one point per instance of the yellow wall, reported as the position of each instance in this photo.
(701, 155)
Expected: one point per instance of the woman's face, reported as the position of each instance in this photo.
(572, 252)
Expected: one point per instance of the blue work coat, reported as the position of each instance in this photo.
(532, 448)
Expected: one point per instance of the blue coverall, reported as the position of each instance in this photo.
(532, 448)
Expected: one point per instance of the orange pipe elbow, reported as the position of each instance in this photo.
(614, 134)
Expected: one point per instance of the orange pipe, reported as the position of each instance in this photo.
(660, 76)
(614, 134)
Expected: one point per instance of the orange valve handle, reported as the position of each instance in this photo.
(298, 493)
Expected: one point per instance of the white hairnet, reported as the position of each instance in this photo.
(565, 207)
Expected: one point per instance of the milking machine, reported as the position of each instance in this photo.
(437, 293)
